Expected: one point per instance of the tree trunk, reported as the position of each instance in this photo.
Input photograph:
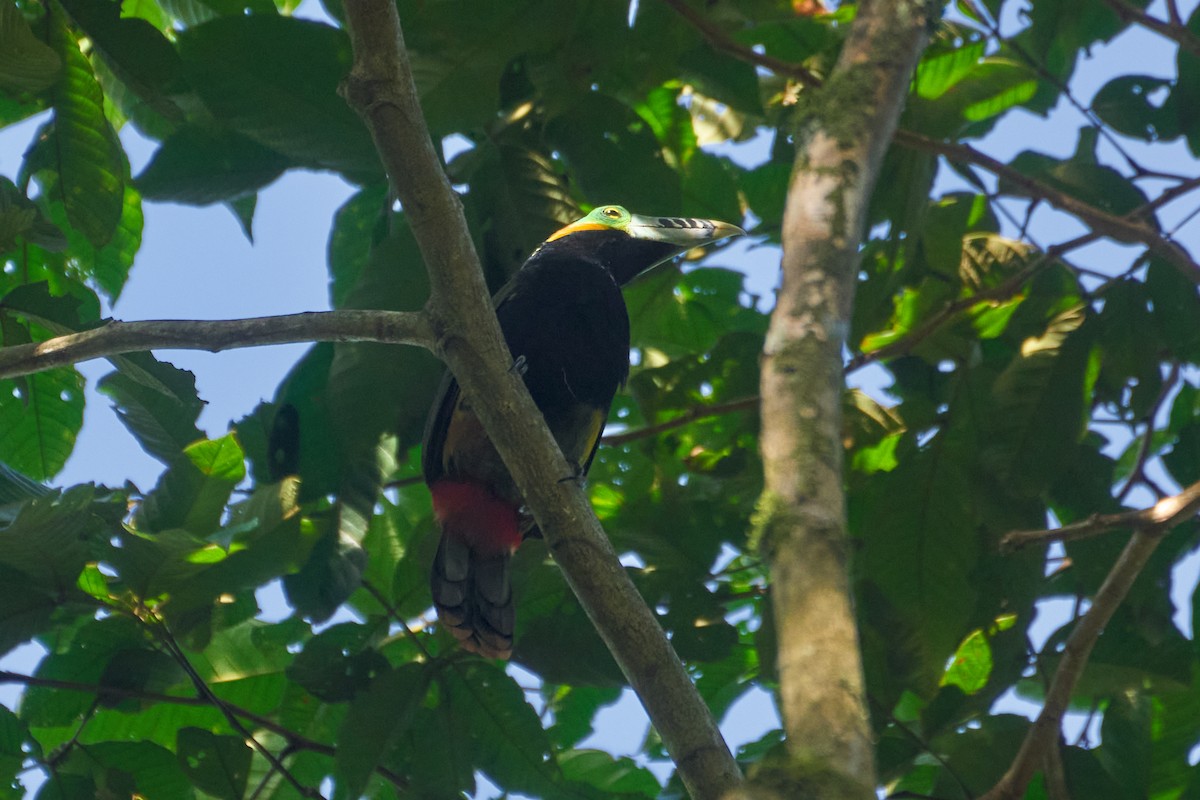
(801, 525)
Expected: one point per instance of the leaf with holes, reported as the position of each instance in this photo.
(40, 416)
(218, 765)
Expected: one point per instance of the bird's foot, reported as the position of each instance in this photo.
(578, 476)
(519, 366)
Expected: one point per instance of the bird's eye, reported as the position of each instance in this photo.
(612, 213)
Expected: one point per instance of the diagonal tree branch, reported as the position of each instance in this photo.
(1045, 730)
(380, 88)
(1149, 525)
(1128, 228)
(1175, 31)
(115, 337)
(1165, 514)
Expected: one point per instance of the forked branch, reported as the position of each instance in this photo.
(1148, 525)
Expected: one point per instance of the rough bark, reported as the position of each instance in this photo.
(380, 88)
(801, 526)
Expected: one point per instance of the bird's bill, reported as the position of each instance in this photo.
(683, 232)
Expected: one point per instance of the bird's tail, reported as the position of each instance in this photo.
(470, 576)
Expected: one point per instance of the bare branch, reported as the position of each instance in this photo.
(1175, 30)
(1128, 228)
(721, 41)
(686, 418)
(1045, 731)
(1163, 515)
(114, 338)
(380, 88)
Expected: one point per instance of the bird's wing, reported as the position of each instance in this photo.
(437, 427)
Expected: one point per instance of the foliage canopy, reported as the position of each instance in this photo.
(1026, 381)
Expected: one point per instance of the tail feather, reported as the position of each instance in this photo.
(473, 597)
(470, 580)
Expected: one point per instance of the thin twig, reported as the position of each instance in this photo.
(1138, 473)
(1131, 227)
(374, 591)
(687, 417)
(924, 746)
(1166, 513)
(202, 688)
(296, 741)
(721, 41)
(116, 337)
(1175, 30)
(1056, 774)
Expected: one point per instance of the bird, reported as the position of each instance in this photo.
(564, 319)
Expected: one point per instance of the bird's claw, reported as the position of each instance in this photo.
(579, 476)
(519, 366)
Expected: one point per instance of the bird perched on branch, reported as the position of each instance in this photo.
(565, 322)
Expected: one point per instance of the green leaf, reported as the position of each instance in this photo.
(274, 79)
(155, 772)
(457, 58)
(917, 524)
(26, 63)
(199, 166)
(357, 227)
(374, 723)
(519, 196)
(575, 710)
(597, 132)
(157, 402)
(89, 160)
(709, 189)
(192, 493)
(1096, 184)
(1125, 104)
(616, 776)
(21, 218)
(941, 69)
(1176, 307)
(218, 765)
(338, 663)
(65, 786)
(40, 416)
(1127, 748)
(107, 265)
(1039, 406)
(13, 739)
(139, 64)
(507, 737)
(331, 574)
(972, 664)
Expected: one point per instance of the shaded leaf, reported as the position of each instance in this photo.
(199, 166)
(218, 765)
(274, 79)
(90, 162)
(374, 722)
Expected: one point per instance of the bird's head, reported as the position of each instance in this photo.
(629, 244)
